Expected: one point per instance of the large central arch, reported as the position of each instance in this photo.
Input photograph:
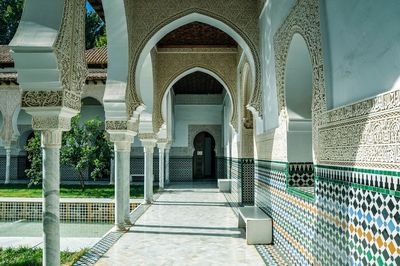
(141, 49)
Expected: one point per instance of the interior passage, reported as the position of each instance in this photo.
(189, 224)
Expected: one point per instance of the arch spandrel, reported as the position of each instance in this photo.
(171, 66)
(239, 18)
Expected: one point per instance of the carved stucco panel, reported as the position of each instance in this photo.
(363, 134)
(145, 18)
(10, 102)
(171, 65)
(303, 19)
(70, 50)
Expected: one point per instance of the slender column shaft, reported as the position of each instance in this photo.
(148, 174)
(8, 165)
(51, 144)
(112, 171)
(167, 166)
(122, 158)
(161, 168)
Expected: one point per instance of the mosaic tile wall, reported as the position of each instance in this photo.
(181, 169)
(358, 220)
(233, 170)
(87, 212)
(293, 217)
(354, 218)
(221, 168)
(301, 175)
(13, 168)
(241, 171)
(137, 168)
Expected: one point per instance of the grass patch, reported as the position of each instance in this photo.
(68, 191)
(23, 256)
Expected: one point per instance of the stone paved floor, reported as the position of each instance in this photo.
(189, 224)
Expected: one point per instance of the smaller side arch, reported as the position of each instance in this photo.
(159, 117)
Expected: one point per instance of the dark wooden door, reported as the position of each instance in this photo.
(204, 156)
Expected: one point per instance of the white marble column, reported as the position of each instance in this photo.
(167, 149)
(122, 151)
(161, 161)
(8, 164)
(51, 144)
(112, 171)
(148, 146)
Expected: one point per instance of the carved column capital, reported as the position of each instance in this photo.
(58, 118)
(51, 138)
(148, 145)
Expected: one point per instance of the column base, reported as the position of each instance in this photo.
(121, 227)
(128, 222)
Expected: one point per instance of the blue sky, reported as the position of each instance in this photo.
(89, 8)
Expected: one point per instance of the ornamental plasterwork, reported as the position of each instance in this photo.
(364, 134)
(117, 125)
(70, 50)
(146, 18)
(303, 19)
(171, 65)
(51, 122)
(9, 104)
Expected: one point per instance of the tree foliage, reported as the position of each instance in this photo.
(34, 173)
(10, 15)
(86, 147)
(95, 31)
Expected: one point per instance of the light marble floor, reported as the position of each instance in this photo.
(189, 224)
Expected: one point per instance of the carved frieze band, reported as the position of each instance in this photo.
(118, 125)
(364, 134)
(42, 98)
(51, 99)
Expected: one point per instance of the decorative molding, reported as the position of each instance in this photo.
(304, 19)
(120, 125)
(147, 137)
(70, 48)
(146, 20)
(201, 50)
(51, 122)
(364, 134)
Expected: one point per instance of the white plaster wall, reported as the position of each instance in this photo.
(363, 49)
(270, 20)
(1, 120)
(186, 115)
(24, 118)
(298, 80)
(147, 83)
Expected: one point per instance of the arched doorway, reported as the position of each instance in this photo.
(204, 156)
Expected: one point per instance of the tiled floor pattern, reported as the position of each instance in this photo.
(190, 224)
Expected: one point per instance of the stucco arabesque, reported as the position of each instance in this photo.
(147, 18)
(304, 19)
(171, 65)
(69, 49)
